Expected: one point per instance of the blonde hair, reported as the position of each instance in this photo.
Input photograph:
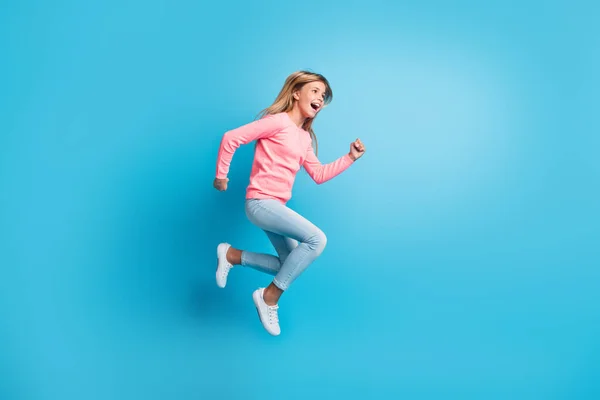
(284, 101)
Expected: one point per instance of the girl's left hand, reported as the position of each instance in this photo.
(357, 149)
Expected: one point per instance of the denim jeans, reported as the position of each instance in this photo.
(297, 241)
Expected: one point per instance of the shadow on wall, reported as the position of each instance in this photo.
(169, 220)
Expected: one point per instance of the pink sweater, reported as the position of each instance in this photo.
(282, 148)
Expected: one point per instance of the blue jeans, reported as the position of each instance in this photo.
(297, 241)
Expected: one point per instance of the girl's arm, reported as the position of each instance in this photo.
(233, 139)
(321, 173)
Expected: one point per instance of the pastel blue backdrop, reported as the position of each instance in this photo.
(462, 260)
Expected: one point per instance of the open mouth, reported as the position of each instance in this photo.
(315, 105)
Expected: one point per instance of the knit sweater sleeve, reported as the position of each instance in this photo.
(321, 173)
(233, 139)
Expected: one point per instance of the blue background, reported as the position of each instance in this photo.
(462, 258)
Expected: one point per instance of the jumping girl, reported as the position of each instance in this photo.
(284, 143)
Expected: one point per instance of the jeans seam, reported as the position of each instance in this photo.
(289, 275)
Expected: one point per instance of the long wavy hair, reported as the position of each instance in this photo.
(284, 101)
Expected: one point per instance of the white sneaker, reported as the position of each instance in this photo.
(223, 266)
(267, 314)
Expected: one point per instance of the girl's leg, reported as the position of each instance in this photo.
(273, 216)
(268, 263)
(281, 221)
(229, 256)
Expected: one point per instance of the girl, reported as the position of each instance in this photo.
(284, 139)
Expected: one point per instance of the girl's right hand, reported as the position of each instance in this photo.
(220, 184)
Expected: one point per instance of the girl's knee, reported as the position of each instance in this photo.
(318, 241)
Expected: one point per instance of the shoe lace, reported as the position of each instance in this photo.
(225, 270)
(273, 316)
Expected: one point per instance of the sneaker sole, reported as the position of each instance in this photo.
(217, 270)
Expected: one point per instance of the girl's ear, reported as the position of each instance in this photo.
(296, 95)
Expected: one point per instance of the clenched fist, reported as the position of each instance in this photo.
(357, 149)
(220, 184)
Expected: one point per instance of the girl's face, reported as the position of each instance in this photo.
(310, 99)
